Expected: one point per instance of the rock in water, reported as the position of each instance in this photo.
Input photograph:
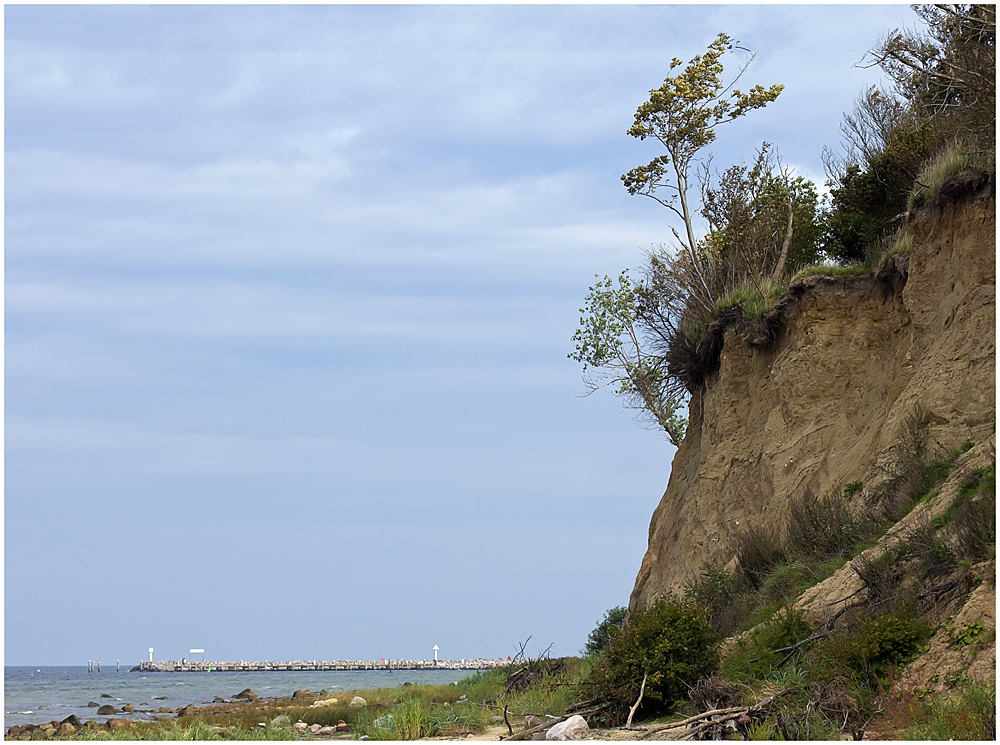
(128, 708)
(106, 709)
(357, 702)
(571, 729)
(246, 694)
(93, 704)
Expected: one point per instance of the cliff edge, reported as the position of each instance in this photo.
(823, 399)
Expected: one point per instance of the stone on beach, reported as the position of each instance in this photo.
(128, 708)
(357, 702)
(571, 729)
(116, 723)
(322, 702)
(304, 693)
(65, 729)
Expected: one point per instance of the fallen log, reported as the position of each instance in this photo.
(725, 714)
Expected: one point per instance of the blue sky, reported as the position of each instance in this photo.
(288, 298)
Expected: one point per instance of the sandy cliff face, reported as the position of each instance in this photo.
(828, 398)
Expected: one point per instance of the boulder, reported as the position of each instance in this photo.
(246, 694)
(72, 719)
(218, 700)
(106, 710)
(93, 703)
(14, 731)
(281, 720)
(164, 710)
(314, 728)
(65, 729)
(357, 702)
(328, 730)
(304, 693)
(116, 723)
(106, 695)
(572, 729)
(128, 708)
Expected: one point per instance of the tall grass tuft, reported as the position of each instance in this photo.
(953, 158)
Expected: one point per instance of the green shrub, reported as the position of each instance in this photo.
(865, 651)
(602, 634)
(669, 641)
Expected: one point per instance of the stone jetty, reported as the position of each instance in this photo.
(200, 666)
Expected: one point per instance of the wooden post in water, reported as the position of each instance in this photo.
(98, 666)
(118, 664)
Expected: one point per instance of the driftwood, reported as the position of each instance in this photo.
(642, 689)
(525, 734)
(724, 716)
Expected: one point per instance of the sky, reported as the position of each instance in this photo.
(289, 293)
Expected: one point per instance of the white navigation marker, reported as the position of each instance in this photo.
(435, 654)
(150, 654)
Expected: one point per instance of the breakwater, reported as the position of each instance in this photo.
(201, 666)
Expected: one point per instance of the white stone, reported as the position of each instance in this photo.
(314, 728)
(356, 702)
(571, 729)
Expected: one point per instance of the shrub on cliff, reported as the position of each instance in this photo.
(670, 643)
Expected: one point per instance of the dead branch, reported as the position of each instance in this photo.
(725, 714)
(642, 689)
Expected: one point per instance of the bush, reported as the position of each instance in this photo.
(722, 597)
(875, 645)
(758, 550)
(669, 641)
(600, 637)
(821, 528)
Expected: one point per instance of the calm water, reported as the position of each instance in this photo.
(40, 694)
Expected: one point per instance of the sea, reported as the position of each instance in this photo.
(33, 695)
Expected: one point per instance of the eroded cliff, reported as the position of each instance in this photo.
(825, 399)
